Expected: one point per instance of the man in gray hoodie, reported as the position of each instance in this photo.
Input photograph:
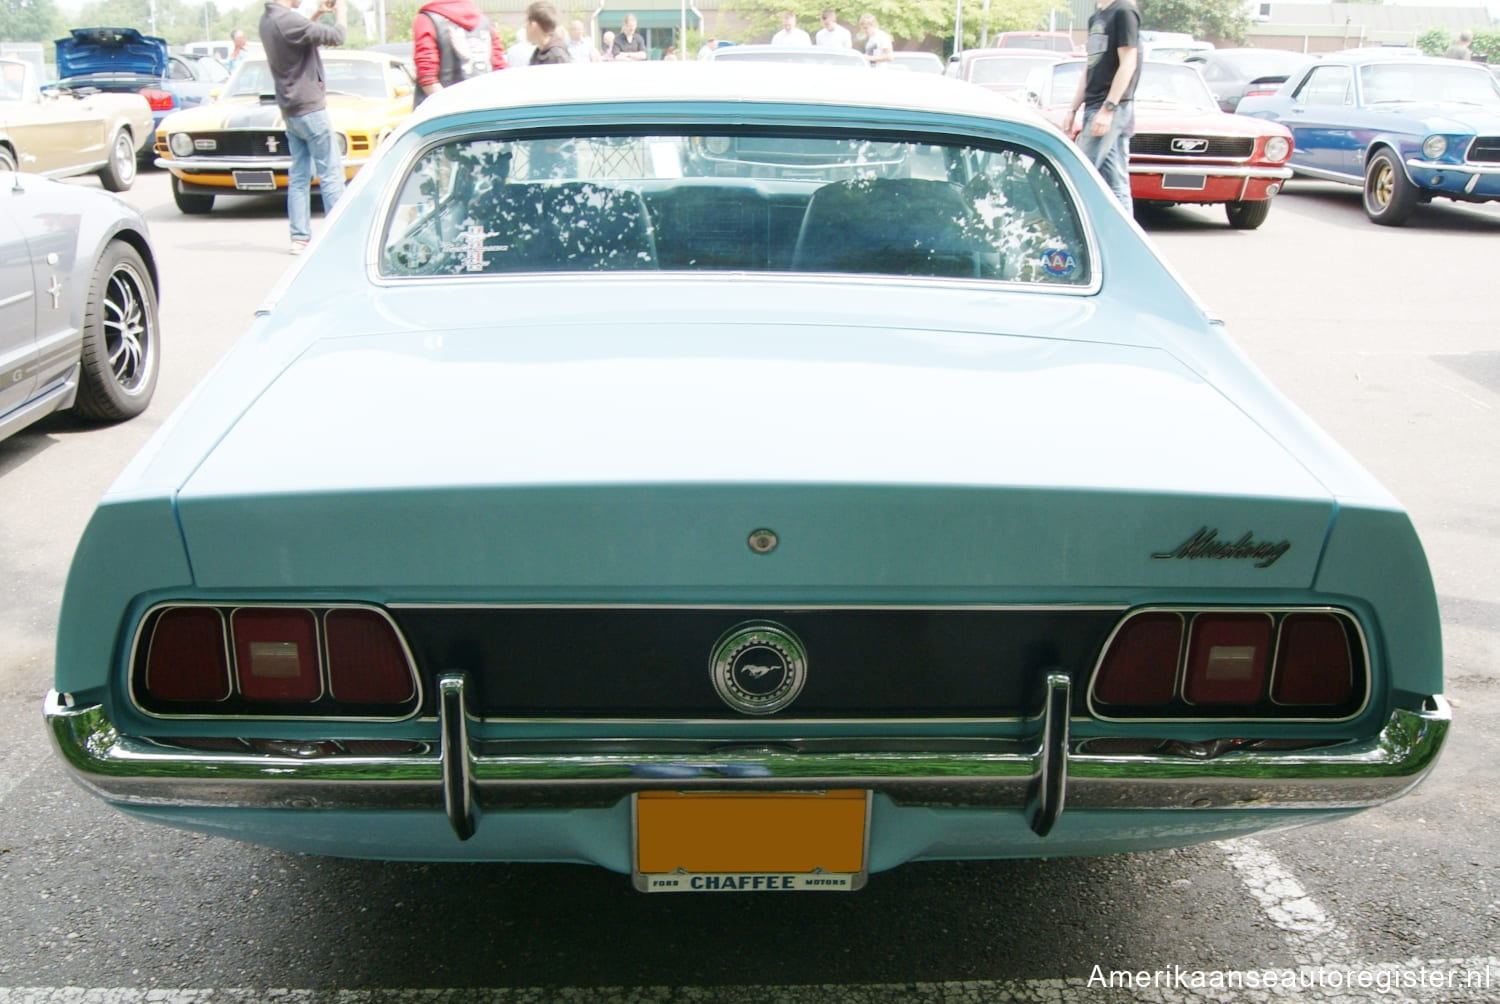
(291, 42)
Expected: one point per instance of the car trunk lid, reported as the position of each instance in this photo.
(569, 464)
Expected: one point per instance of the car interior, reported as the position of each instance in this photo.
(750, 202)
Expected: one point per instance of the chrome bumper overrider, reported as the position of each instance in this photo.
(463, 776)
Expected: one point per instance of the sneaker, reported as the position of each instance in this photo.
(298, 247)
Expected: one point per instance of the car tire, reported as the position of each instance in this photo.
(193, 205)
(7, 159)
(1390, 197)
(120, 354)
(1247, 215)
(119, 174)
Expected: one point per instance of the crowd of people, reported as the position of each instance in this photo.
(453, 40)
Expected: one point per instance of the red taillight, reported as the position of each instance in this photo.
(276, 654)
(160, 101)
(1228, 655)
(366, 662)
(187, 659)
(1140, 667)
(1314, 665)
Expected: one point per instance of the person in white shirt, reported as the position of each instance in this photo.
(832, 33)
(580, 46)
(878, 44)
(790, 34)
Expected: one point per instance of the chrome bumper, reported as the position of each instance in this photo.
(1213, 170)
(223, 165)
(459, 775)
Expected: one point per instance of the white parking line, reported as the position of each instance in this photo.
(1315, 940)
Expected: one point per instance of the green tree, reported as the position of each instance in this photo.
(1218, 21)
(1434, 40)
(30, 21)
(1486, 43)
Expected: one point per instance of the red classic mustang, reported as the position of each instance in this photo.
(1186, 149)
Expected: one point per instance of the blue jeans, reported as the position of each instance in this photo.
(314, 151)
(1110, 153)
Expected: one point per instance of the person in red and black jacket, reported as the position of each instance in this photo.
(448, 45)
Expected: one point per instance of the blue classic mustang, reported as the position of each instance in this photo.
(1407, 128)
(753, 491)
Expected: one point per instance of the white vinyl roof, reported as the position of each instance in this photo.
(595, 83)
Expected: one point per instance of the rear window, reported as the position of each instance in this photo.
(743, 201)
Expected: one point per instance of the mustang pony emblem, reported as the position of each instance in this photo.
(1206, 544)
(271, 144)
(756, 672)
(758, 667)
(1192, 144)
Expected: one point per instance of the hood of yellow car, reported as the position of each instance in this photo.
(344, 112)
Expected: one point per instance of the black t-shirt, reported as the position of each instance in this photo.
(635, 43)
(1116, 27)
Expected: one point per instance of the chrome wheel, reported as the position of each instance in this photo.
(128, 336)
(119, 356)
(1389, 197)
(1382, 185)
(119, 173)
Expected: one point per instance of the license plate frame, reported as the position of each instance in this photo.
(1183, 182)
(718, 841)
(254, 181)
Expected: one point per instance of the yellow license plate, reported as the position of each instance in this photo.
(751, 842)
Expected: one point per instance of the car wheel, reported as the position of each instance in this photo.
(1247, 215)
(1389, 196)
(119, 173)
(120, 326)
(7, 159)
(193, 205)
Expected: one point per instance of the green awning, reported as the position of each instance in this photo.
(610, 20)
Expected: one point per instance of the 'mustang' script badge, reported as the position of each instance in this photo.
(1207, 544)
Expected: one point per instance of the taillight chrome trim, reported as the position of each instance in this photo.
(320, 644)
(226, 611)
(1189, 612)
(223, 637)
(1185, 654)
(411, 664)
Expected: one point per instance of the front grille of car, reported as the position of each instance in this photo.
(645, 663)
(247, 143)
(1485, 150)
(1214, 147)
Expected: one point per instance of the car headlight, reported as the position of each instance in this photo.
(1434, 147)
(717, 145)
(343, 145)
(1278, 148)
(181, 144)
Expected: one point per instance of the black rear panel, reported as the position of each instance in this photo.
(655, 663)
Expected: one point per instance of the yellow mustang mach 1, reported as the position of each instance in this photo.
(238, 145)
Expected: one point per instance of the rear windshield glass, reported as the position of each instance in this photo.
(741, 202)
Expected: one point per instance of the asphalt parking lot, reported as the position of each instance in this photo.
(1387, 337)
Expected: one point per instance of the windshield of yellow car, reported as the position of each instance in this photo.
(354, 77)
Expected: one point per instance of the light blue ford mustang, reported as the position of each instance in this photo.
(1408, 128)
(751, 491)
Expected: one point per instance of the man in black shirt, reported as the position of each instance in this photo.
(1107, 93)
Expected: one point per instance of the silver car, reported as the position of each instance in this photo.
(78, 304)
